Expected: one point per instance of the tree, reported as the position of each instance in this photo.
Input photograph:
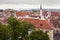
(27, 27)
(38, 35)
(19, 29)
(4, 32)
(15, 28)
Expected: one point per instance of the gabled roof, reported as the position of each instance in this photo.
(42, 24)
(45, 24)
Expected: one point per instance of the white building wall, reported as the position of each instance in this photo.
(50, 33)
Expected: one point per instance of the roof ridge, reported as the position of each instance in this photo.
(49, 24)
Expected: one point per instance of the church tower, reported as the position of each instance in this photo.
(41, 13)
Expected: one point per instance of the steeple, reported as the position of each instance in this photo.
(41, 13)
(40, 7)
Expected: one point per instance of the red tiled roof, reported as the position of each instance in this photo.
(21, 13)
(34, 14)
(46, 24)
(35, 22)
(54, 13)
(3, 19)
(55, 23)
(42, 24)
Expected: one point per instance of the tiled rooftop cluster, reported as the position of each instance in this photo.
(32, 16)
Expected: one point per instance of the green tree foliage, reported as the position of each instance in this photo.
(19, 30)
(27, 27)
(4, 32)
(16, 28)
(38, 35)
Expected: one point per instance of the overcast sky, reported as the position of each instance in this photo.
(45, 3)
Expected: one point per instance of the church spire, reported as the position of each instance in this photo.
(41, 13)
(41, 7)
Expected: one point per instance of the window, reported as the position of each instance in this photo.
(46, 31)
(41, 24)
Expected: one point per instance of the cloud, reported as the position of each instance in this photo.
(45, 3)
(19, 6)
(20, 1)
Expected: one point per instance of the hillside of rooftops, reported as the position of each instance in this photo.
(52, 14)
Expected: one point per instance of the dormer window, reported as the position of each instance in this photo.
(41, 24)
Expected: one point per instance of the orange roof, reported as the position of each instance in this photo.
(35, 22)
(45, 24)
(21, 13)
(54, 13)
(42, 24)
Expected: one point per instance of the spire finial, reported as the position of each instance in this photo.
(40, 6)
